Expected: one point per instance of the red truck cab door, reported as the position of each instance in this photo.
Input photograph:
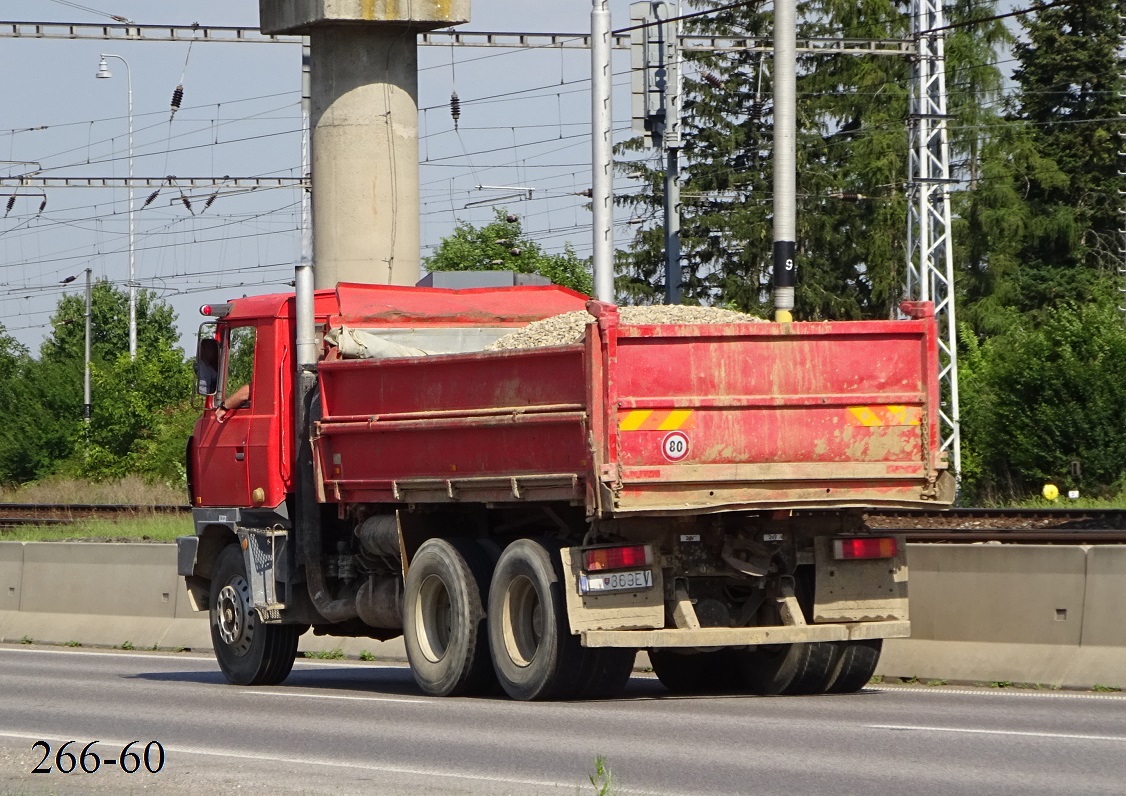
(223, 477)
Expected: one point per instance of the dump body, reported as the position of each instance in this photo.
(682, 419)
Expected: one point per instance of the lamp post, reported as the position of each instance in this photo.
(103, 72)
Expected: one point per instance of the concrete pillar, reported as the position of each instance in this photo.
(364, 122)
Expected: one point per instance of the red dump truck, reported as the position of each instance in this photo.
(535, 517)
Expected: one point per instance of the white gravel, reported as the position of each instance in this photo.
(570, 326)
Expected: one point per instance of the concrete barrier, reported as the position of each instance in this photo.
(1042, 614)
(983, 613)
(105, 594)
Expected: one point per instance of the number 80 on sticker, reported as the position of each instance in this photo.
(675, 446)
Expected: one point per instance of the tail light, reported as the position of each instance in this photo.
(601, 558)
(865, 547)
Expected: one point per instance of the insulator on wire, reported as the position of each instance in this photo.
(712, 80)
(177, 98)
(210, 200)
(187, 203)
(11, 204)
(43, 204)
(455, 108)
(151, 199)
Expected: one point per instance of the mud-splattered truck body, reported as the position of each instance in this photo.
(537, 516)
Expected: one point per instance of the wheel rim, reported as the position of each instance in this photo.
(234, 618)
(522, 622)
(433, 618)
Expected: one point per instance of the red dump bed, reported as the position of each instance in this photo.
(684, 418)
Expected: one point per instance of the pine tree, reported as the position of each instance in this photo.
(1070, 97)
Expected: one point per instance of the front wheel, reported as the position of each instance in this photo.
(249, 651)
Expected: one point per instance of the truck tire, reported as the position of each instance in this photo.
(609, 670)
(854, 664)
(534, 653)
(697, 672)
(444, 618)
(249, 651)
(791, 669)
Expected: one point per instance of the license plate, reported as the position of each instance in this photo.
(615, 581)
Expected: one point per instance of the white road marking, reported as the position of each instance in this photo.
(538, 784)
(199, 656)
(1018, 733)
(292, 695)
(990, 692)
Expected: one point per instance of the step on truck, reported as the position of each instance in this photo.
(536, 517)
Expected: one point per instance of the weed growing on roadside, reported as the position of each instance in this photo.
(366, 656)
(876, 679)
(326, 655)
(73, 644)
(601, 779)
(1001, 684)
(1105, 688)
(128, 645)
(27, 640)
(938, 682)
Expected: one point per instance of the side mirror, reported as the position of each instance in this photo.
(207, 366)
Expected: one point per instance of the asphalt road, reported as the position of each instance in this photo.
(338, 727)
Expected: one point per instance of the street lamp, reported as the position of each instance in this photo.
(103, 72)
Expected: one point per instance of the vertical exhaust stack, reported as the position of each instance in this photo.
(364, 118)
(785, 159)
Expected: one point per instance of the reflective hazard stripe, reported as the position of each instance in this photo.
(885, 415)
(657, 419)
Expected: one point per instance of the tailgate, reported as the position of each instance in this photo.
(713, 417)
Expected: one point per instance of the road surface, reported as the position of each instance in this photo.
(338, 727)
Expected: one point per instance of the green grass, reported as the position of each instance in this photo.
(131, 490)
(326, 655)
(154, 528)
(366, 656)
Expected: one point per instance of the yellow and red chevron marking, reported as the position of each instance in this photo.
(882, 415)
(657, 419)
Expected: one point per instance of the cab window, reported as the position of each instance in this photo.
(240, 360)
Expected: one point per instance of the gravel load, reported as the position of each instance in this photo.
(570, 326)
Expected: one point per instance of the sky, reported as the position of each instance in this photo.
(525, 121)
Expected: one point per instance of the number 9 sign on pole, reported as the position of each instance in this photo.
(675, 446)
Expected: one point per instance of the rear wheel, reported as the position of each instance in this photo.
(790, 668)
(534, 654)
(249, 651)
(698, 672)
(855, 663)
(444, 617)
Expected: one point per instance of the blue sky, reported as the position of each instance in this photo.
(525, 121)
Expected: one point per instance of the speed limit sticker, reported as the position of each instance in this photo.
(675, 446)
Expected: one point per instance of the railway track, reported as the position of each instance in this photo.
(15, 515)
(1053, 526)
(1057, 526)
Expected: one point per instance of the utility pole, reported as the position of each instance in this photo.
(87, 406)
(930, 250)
(655, 47)
(671, 136)
(785, 158)
(602, 164)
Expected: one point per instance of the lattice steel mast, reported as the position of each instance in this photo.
(930, 252)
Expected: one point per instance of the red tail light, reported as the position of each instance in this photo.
(602, 558)
(864, 547)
